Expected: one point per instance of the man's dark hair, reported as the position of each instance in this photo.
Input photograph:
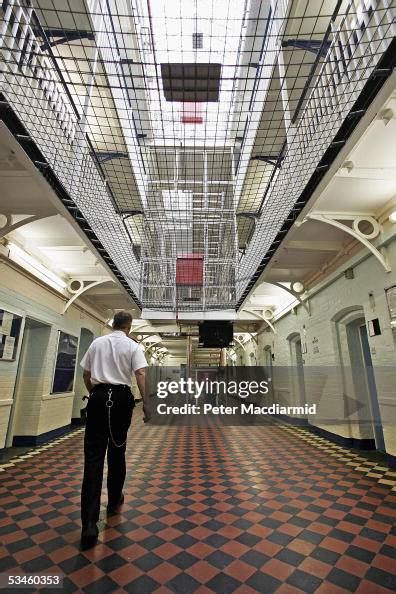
(122, 319)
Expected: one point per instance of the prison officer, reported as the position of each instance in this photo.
(108, 366)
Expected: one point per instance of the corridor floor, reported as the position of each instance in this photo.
(208, 509)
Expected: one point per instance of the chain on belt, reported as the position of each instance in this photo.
(109, 405)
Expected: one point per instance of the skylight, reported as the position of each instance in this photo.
(174, 26)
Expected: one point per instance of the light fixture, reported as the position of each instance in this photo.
(386, 115)
(347, 165)
(392, 217)
(297, 287)
(4, 221)
(25, 260)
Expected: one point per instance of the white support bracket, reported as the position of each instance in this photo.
(301, 301)
(240, 343)
(335, 219)
(261, 317)
(7, 226)
(83, 289)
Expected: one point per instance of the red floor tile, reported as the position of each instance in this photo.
(207, 509)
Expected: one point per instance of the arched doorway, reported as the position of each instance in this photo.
(268, 371)
(360, 390)
(297, 368)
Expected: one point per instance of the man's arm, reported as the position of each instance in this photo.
(87, 379)
(140, 375)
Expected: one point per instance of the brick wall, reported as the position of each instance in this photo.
(327, 363)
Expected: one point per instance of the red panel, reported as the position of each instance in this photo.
(189, 270)
(192, 113)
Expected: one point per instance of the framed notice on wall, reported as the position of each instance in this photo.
(65, 363)
(10, 328)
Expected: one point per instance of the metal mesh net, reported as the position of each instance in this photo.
(187, 130)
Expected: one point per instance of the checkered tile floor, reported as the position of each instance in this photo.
(208, 509)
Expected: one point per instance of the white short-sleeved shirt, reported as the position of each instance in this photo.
(111, 359)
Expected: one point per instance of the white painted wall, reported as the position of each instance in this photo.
(42, 412)
(324, 350)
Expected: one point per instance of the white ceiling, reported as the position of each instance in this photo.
(55, 240)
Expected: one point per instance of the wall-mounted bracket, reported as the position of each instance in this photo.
(274, 161)
(8, 226)
(261, 317)
(239, 342)
(355, 231)
(65, 36)
(104, 156)
(303, 302)
(316, 46)
(83, 289)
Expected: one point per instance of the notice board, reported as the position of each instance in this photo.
(10, 328)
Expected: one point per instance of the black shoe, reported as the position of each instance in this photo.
(112, 509)
(89, 536)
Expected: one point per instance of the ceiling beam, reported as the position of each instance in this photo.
(295, 265)
(315, 245)
(374, 173)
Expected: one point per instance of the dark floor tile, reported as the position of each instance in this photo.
(111, 562)
(280, 538)
(312, 537)
(183, 560)
(38, 564)
(213, 525)
(342, 535)
(305, 581)
(155, 526)
(373, 534)
(219, 559)
(151, 542)
(325, 555)
(343, 579)
(290, 557)
(184, 541)
(242, 523)
(180, 584)
(360, 554)
(297, 521)
(254, 558)
(382, 578)
(118, 543)
(388, 551)
(248, 539)
(354, 519)
(216, 540)
(223, 583)
(184, 526)
(7, 562)
(271, 523)
(103, 585)
(73, 564)
(20, 545)
(262, 582)
(52, 545)
(144, 584)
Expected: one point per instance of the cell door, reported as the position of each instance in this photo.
(372, 389)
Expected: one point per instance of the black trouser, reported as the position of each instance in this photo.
(97, 440)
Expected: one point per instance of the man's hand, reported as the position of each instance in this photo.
(87, 380)
(146, 413)
(141, 382)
